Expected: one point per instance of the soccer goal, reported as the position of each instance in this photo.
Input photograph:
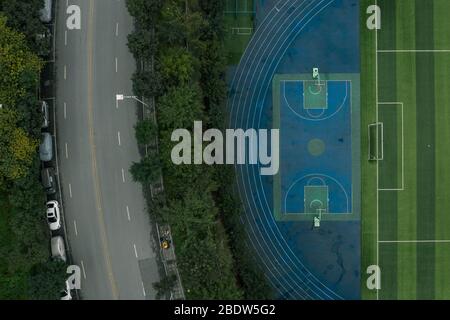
(242, 31)
(375, 131)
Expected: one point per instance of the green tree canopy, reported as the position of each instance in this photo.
(19, 66)
(17, 149)
(47, 280)
(145, 11)
(142, 44)
(23, 16)
(145, 131)
(148, 170)
(176, 65)
(180, 107)
(147, 83)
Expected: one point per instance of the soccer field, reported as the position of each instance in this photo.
(405, 81)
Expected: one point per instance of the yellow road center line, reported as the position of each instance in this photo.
(100, 213)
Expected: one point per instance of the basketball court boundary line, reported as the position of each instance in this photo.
(348, 92)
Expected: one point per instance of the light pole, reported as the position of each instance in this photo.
(121, 97)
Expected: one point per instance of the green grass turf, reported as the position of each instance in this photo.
(368, 169)
(420, 212)
(235, 44)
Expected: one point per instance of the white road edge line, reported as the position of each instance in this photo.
(75, 227)
(70, 190)
(135, 250)
(84, 271)
(128, 214)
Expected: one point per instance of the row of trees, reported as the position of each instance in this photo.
(25, 269)
(182, 40)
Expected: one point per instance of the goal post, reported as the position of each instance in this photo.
(375, 132)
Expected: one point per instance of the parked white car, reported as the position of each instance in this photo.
(53, 215)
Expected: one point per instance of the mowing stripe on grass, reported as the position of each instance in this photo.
(425, 90)
(387, 210)
(368, 169)
(407, 207)
(442, 92)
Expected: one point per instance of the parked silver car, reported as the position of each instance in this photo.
(46, 147)
(58, 248)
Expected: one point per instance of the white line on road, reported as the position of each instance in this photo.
(116, 65)
(117, 29)
(65, 38)
(67, 152)
(75, 227)
(118, 137)
(135, 250)
(143, 289)
(65, 72)
(70, 190)
(123, 175)
(128, 214)
(84, 271)
(65, 110)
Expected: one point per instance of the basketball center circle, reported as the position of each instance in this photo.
(316, 147)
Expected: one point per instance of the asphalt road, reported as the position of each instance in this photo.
(107, 224)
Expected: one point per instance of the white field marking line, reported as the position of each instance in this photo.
(118, 137)
(376, 112)
(414, 51)
(67, 151)
(414, 241)
(65, 110)
(143, 289)
(75, 227)
(402, 188)
(70, 190)
(84, 271)
(128, 214)
(65, 72)
(123, 175)
(117, 29)
(135, 250)
(116, 64)
(65, 37)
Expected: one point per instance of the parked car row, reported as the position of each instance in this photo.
(49, 183)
